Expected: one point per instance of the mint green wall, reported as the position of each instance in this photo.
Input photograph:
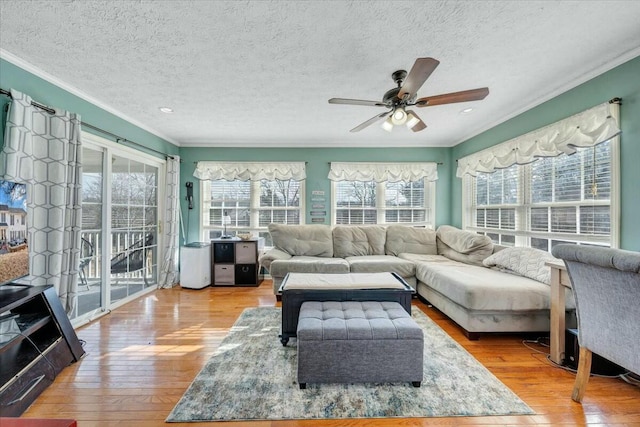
(622, 81)
(43, 92)
(317, 170)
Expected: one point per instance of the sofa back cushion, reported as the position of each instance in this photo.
(412, 240)
(358, 240)
(302, 240)
(463, 246)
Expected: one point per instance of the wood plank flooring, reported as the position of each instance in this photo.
(142, 357)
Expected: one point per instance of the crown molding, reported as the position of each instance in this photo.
(27, 66)
(309, 144)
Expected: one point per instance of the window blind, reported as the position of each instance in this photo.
(355, 202)
(251, 205)
(564, 199)
(369, 202)
(279, 202)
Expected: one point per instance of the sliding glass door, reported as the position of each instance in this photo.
(90, 282)
(120, 216)
(134, 219)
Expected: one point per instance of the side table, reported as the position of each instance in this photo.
(559, 282)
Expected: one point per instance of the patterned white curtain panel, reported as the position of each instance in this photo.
(43, 151)
(169, 268)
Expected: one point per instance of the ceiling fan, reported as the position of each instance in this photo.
(404, 95)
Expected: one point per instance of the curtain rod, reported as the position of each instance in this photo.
(437, 163)
(34, 103)
(121, 140)
(238, 161)
(118, 139)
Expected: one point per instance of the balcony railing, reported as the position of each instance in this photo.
(123, 245)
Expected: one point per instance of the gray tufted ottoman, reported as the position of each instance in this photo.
(358, 341)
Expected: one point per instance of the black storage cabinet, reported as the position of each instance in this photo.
(234, 262)
(38, 343)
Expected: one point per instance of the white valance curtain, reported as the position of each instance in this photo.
(380, 172)
(584, 129)
(250, 171)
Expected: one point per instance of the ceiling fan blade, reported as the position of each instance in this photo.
(357, 102)
(418, 126)
(420, 72)
(450, 98)
(369, 122)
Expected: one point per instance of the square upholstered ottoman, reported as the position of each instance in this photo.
(358, 341)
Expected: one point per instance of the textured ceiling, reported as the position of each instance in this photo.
(259, 73)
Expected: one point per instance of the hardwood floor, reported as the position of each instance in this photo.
(142, 357)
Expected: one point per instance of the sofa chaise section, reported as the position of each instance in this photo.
(482, 299)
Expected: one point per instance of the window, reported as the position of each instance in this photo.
(368, 202)
(376, 196)
(563, 199)
(252, 205)
(355, 202)
(252, 194)
(383, 193)
(556, 184)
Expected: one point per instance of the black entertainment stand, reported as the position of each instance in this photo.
(37, 341)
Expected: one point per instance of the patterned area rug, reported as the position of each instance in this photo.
(253, 377)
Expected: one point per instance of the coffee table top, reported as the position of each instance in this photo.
(343, 281)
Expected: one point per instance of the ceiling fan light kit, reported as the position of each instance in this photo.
(405, 94)
(387, 124)
(399, 116)
(412, 120)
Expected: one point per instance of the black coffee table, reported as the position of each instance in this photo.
(297, 288)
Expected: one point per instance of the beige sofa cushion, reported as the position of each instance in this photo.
(482, 288)
(358, 240)
(404, 239)
(307, 264)
(381, 264)
(271, 255)
(303, 240)
(463, 246)
(416, 258)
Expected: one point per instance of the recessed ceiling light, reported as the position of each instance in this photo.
(166, 110)
(466, 111)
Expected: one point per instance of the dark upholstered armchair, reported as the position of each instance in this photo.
(606, 285)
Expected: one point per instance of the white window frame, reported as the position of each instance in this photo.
(381, 208)
(522, 232)
(254, 210)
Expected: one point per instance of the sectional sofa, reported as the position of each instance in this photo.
(481, 286)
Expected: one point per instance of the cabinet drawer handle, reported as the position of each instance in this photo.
(245, 269)
(34, 382)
